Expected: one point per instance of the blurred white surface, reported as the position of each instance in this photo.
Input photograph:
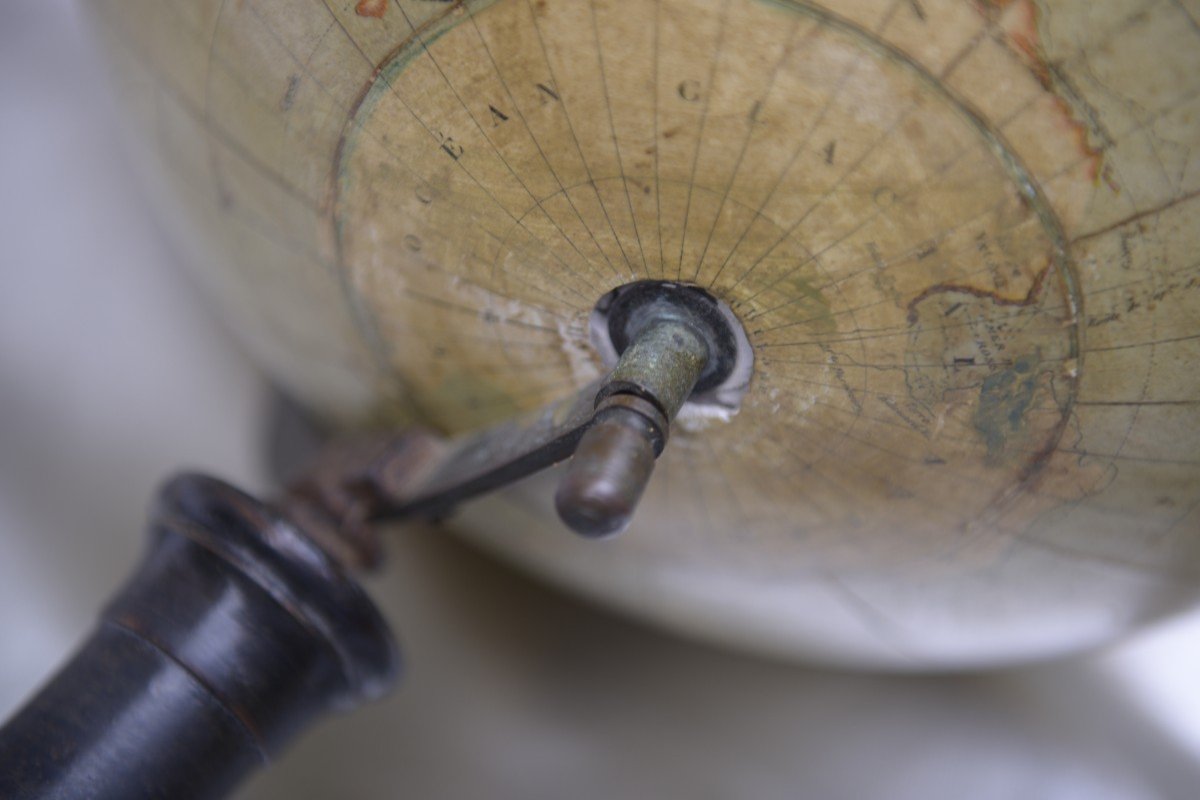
(112, 375)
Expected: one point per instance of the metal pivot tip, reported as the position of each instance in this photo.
(615, 457)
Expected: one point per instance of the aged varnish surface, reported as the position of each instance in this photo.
(962, 236)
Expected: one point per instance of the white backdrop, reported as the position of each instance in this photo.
(111, 375)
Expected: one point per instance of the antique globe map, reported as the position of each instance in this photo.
(962, 236)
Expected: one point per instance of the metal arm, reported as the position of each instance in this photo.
(242, 625)
(615, 427)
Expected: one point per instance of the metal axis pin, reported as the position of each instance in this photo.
(634, 408)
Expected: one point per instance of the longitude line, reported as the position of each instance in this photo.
(304, 65)
(461, 166)
(710, 90)
(537, 144)
(932, 180)
(902, 258)
(662, 261)
(974, 441)
(841, 178)
(396, 157)
(495, 148)
(941, 173)
(787, 51)
(1016, 113)
(951, 475)
(361, 128)
(803, 145)
(616, 144)
(575, 138)
(868, 266)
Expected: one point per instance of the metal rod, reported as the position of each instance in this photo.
(615, 427)
(615, 458)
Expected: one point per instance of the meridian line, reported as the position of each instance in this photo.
(571, 126)
(536, 143)
(787, 52)
(800, 148)
(687, 209)
(420, 40)
(616, 145)
(382, 76)
(662, 261)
